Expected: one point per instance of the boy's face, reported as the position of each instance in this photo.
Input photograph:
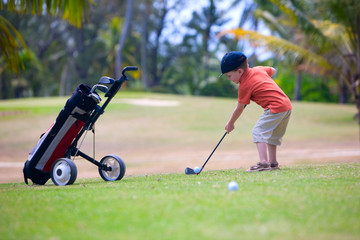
(235, 75)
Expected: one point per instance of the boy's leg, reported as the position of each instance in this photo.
(274, 165)
(272, 153)
(262, 149)
(263, 165)
(269, 128)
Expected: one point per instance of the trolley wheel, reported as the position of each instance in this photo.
(63, 172)
(117, 168)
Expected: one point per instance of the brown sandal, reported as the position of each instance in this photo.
(274, 166)
(259, 167)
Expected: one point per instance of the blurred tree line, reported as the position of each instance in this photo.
(176, 54)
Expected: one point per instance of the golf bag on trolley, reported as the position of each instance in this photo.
(54, 143)
(50, 158)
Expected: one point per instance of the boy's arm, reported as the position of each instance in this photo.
(236, 114)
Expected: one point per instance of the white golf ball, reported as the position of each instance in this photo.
(196, 169)
(233, 186)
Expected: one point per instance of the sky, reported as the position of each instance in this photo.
(184, 16)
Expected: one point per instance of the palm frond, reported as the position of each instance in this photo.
(336, 33)
(72, 11)
(300, 19)
(11, 42)
(271, 21)
(280, 47)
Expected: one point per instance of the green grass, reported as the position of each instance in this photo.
(197, 123)
(298, 202)
(203, 117)
(319, 201)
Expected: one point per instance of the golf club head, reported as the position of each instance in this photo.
(102, 88)
(106, 80)
(95, 97)
(189, 171)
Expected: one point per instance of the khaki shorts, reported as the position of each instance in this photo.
(271, 127)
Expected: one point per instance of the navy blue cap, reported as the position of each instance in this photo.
(231, 61)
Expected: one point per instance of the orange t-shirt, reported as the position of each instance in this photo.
(257, 85)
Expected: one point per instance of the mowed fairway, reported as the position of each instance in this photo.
(315, 196)
(298, 202)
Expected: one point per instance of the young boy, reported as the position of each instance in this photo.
(257, 85)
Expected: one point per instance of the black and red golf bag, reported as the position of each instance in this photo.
(51, 157)
(54, 143)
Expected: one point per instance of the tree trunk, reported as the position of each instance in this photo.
(144, 33)
(64, 77)
(344, 93)
(2, 85)
(357, 79)
(118, 58)
(155, 51)
(297, 95)
(211, 19)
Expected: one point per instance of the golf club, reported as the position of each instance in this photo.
(190, 171)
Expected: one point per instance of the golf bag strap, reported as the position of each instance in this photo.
(81, 117)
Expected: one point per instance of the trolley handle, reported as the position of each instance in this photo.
(130, 68)
(117, 83)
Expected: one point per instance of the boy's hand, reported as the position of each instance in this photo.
(229, 127)
(236, 114)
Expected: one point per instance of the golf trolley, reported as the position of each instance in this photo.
(51, 157)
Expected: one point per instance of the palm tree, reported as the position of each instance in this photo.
(11, 41)
(122, 38)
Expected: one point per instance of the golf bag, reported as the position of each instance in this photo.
(55, 142)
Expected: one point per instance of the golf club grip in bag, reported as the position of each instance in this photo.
(53, 144)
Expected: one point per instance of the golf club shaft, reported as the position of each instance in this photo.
(212, 152)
